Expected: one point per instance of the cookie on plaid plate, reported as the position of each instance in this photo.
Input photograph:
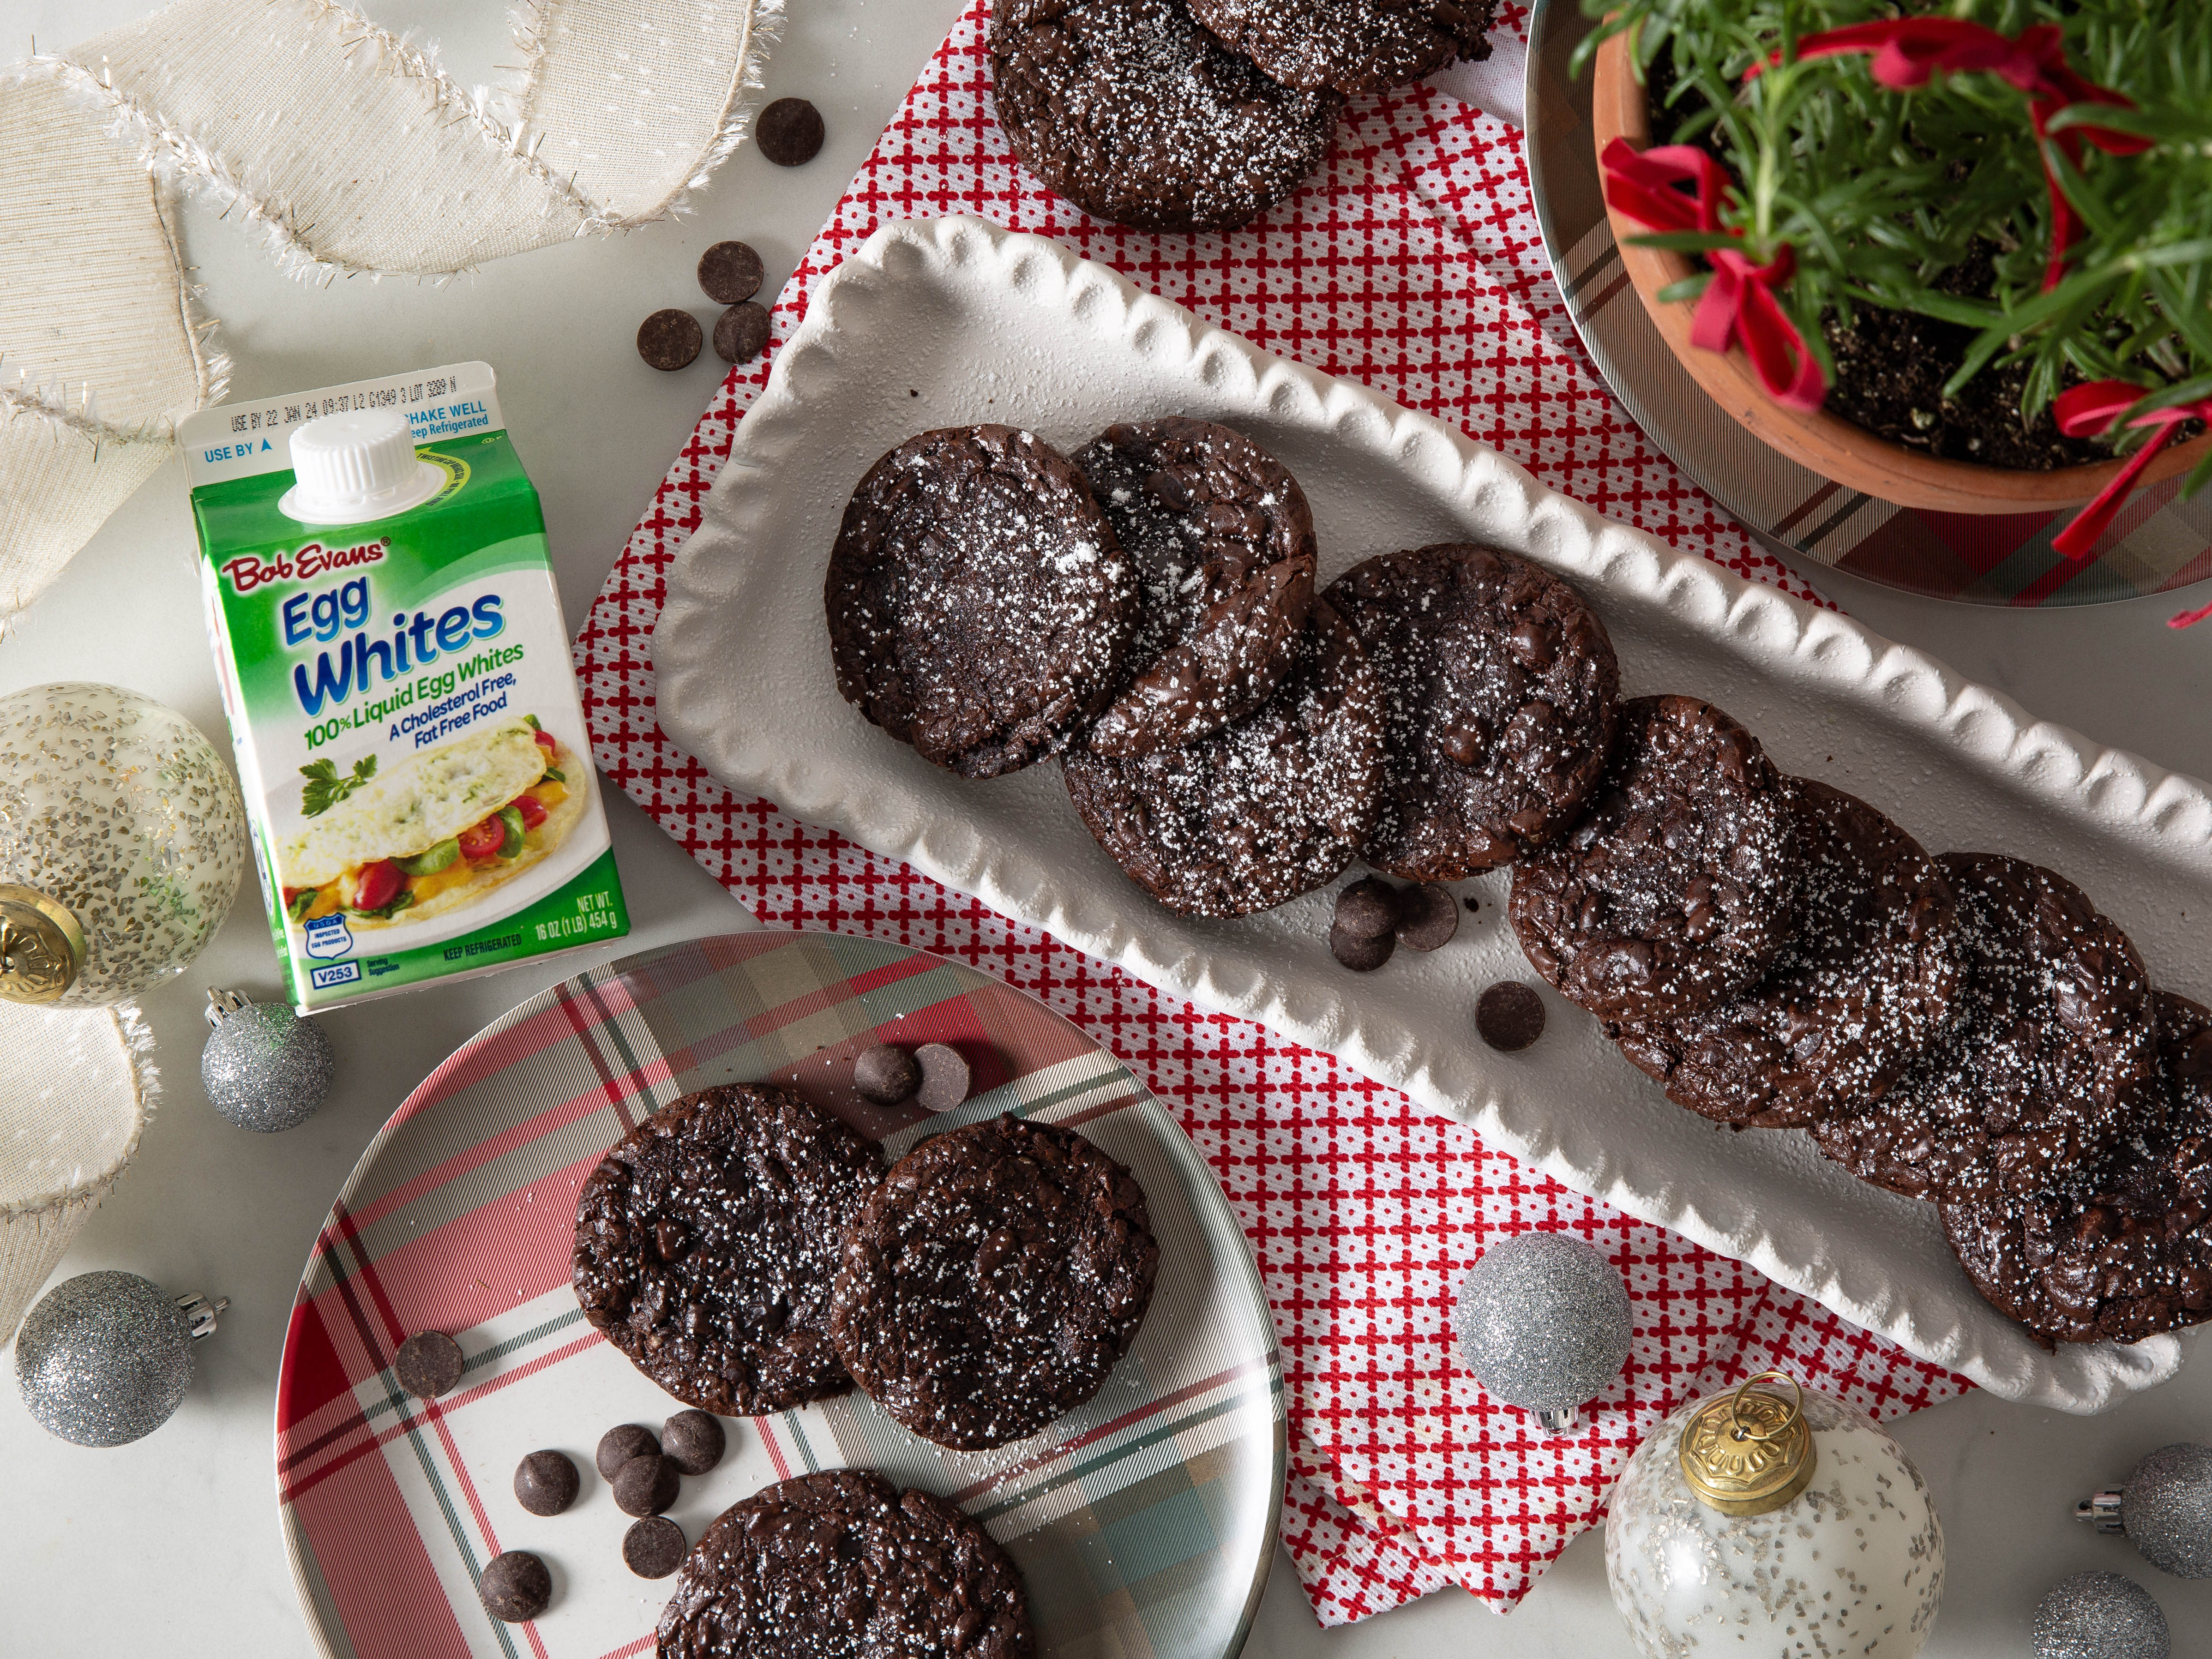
(705, 1242)
(841, 1562)
(992, 1282)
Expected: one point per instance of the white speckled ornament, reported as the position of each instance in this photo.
(1853, 1564)
(118, 811)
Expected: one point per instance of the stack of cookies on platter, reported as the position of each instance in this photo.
(749, 1252)
(1200, 114)
(1147, 613)
(1966, 1029)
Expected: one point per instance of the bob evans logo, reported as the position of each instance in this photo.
(247, 572)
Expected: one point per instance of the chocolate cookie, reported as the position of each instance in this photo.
(993, 1281)
(1865, 982)
(2123, 1251)
(2047, 1056)
(1266, 809)
(1354, 45)
(1499, 691)
(1680, 887)
(706, 1241)
(979, 605)
(840, 1562)
(1133, 113)
(1223, 543)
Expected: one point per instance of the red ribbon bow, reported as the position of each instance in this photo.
(1907, 51)
(2087, 411)
(1738, 307)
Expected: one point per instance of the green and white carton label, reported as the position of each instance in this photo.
(400, 696)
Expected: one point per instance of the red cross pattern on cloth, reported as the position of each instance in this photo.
(1412, 262)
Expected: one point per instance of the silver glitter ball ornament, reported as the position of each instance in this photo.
(105, 1357)
(263, 1067)
(1544, 1322)
(2100, 1615)
(2164, 1508)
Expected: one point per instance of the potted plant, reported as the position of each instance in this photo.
(1956, 254)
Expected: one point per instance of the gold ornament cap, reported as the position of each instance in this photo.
(41, 945)
(1749, 1452)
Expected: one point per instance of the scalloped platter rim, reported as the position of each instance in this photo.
(972, 322)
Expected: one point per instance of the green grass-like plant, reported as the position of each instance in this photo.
(1885, 194)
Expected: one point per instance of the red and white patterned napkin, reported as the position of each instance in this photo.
(1414, 263)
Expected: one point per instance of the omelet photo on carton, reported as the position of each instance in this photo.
(437, 832)
(397, 675)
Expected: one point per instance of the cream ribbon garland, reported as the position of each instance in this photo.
(77, 1090)
(350, 150)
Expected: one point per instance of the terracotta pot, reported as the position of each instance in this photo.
(1821, 442)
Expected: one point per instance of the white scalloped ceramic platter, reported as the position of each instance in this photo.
(942, 322)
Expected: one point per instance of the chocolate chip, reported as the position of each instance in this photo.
(885, 1074)
(730, 272)
(1509, 1016)
(1362, 956)
(428, 1364)
(515, 1587)
(789, 132)
(740, 332)
(670, 340)
(654, 1547)
(545, 1483)
(619, 1444)
(1473, 904)
(1428, 916)
(694, 1442)
(1367, 909)
(944, 1077)
(647, 1485)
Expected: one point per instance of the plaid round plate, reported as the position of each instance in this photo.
(1143, 1523)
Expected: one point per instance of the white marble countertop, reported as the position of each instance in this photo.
(171, 1545)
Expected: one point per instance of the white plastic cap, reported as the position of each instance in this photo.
(351, 468)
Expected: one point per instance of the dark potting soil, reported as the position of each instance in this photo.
(1890, 370)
